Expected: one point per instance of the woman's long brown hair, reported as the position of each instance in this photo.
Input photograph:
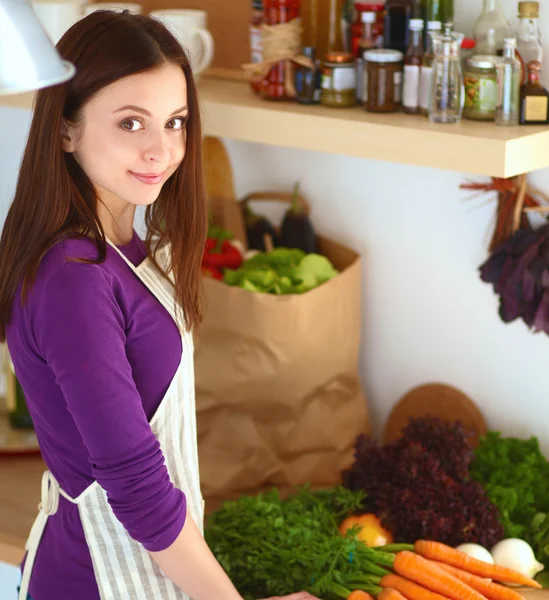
(54, 198)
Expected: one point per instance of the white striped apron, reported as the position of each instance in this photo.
(123, 569)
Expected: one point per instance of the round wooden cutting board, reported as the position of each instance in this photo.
(435, 400)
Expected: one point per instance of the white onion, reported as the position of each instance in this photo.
(517, 555)
(476, 551)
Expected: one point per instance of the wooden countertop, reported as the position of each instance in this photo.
(19, 497)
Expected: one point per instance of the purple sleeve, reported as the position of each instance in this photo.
(80, 330)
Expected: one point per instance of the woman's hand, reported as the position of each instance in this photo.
(298, 596)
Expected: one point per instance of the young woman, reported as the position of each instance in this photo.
(98, 323)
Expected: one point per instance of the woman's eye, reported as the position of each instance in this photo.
(178, 123)
(129, 124)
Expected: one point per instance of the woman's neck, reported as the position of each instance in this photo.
(117, 219)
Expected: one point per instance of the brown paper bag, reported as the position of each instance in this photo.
(279, 401)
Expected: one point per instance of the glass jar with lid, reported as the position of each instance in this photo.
(383, 80)
(481, 87)
(338, 88)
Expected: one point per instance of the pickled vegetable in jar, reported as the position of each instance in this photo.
(481, 87)
(338, 80)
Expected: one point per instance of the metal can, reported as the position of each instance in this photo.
(338, 80)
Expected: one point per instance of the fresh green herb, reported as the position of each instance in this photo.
(515, 474)
(273, 547)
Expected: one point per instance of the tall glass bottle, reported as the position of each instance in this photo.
(412, 65)
(437, 10)
(529, 46)
(491, 28)
(397, 22)
(509, 79)
(447, 94)
(322, 27)
(425, 73)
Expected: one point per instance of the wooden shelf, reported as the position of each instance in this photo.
(231, 110)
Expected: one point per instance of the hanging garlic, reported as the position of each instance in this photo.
(518, 555)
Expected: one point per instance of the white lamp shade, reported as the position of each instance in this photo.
(28, 59)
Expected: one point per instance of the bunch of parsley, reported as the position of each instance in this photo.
(272, 547)
(515, 475)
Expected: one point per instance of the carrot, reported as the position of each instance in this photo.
(359, 595)
(409, 589)
(422, 571)
(455, 558)
(390, 594)
(492, 591)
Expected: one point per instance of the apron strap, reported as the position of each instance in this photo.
(48, 506)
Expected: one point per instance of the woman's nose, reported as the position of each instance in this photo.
(157, 147)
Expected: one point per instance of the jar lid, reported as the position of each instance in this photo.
(483, 61)
(416, 24)
(368, 17)
(383, 55)
(434, 26)
(339, 57)
(529, 10)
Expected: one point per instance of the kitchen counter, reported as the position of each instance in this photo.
(19, 497)
(20, 479)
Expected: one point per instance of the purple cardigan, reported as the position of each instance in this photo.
(95, 352)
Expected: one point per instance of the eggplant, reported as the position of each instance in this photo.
(257, 227)
(297, 230)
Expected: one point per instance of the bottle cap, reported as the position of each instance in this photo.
(529, 10)
(416, 24)
(510, 42)
(468, 43)
(534, 65)
(434, 26)
(368, 17)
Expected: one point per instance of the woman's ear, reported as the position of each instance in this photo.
(68, 136)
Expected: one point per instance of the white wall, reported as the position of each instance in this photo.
(427, 316)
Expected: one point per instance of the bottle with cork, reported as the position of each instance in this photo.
(529, 46)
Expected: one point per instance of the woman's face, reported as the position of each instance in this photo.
(133, 136)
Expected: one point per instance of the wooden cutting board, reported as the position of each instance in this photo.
(436, 400)
(532, 594)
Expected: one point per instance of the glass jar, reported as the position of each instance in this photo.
(307, 81)
(276, 13)
(338, 80)
(481, 87)
(256, 40)
(383, 75)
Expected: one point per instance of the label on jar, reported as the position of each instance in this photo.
(410, 93)
(397, 86)
(535, 108)
(425, 77)
(256, 44)
(326, 81)
(344, 79)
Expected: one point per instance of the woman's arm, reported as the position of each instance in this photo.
(190, 564)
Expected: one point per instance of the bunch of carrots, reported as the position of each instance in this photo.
(430, 570)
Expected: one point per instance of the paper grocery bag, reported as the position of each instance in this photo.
(279, 401)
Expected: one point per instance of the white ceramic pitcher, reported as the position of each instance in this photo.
(190, 27)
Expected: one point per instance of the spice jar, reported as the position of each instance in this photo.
(481, 87)
(383, 80)
(338, 80)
